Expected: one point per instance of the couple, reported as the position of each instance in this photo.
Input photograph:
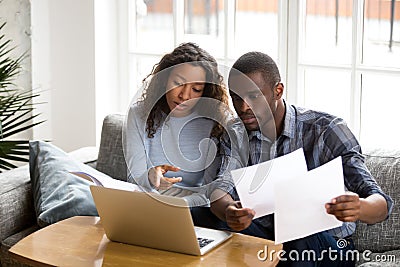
(182, 139)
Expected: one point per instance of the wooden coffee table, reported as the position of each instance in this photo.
(80, 241)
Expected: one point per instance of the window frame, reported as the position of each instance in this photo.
(291, 26)
(357, 68)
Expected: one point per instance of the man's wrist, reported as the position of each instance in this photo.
(231, 203)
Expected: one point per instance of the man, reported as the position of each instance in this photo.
(276, 128)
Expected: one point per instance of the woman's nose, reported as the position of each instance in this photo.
(185, 92)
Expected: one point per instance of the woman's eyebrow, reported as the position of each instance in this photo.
(180, 76)
(184, 80)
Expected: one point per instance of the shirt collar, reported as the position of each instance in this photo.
(257, 134)
(289, 123)
(289, 126)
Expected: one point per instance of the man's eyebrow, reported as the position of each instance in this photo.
(246, 93)
(255, 91)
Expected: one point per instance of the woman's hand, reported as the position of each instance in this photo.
(157, 179)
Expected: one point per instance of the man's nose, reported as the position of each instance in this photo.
(185, 92)
(243, 106)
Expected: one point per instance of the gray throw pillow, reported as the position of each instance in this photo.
(58, 194)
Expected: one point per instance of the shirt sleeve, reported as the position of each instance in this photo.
(197, 200)
(340, 141)
(233, 150)
(193, 198)
(135, 154)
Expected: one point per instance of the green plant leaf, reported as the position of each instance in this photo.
(6, 146)
(21, 129)
(12, 120)
(16, 107)
(15, 102)
(16, 158)
(13, 151)
(6, 165)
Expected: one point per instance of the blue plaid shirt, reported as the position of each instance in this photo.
(322, 136)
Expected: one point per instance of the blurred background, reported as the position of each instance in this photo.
(89, 57)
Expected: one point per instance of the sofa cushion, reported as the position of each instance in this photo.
(12, 240)
(111, 160)
(384, 236)
(58, 194)
(6, 259)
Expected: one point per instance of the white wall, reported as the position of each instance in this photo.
(78, 49)
(63, 66)
(111, 48)
(18, 17)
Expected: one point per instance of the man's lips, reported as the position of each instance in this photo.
(248, 119)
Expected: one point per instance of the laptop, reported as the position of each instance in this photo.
(154, 221)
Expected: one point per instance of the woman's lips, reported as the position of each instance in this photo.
(180, 106)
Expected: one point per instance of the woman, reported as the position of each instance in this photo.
(172, 132)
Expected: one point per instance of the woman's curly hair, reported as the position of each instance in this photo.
(153, 99)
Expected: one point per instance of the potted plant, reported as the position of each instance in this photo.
(15, 108)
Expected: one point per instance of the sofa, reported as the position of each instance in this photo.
(379, 244)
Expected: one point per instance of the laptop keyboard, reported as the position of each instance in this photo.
(204, 241)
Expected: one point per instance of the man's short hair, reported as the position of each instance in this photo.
(253, 62)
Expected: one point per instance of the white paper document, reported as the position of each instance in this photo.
(297, 197)
(300, 202)
(255, 184)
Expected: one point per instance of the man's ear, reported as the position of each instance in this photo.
(278, 91)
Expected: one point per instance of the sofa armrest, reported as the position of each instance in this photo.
(384, 166)
(111, 160)
(87, 155)
(16, 204)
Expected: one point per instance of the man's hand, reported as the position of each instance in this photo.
(157, 179)
(238, 218)
(346, 208)
(350, 208)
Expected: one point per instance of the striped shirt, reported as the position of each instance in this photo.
(322, 136)
(179, 141)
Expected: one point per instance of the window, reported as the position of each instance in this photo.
(225, 28)
(339, 56)
(348, 64)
